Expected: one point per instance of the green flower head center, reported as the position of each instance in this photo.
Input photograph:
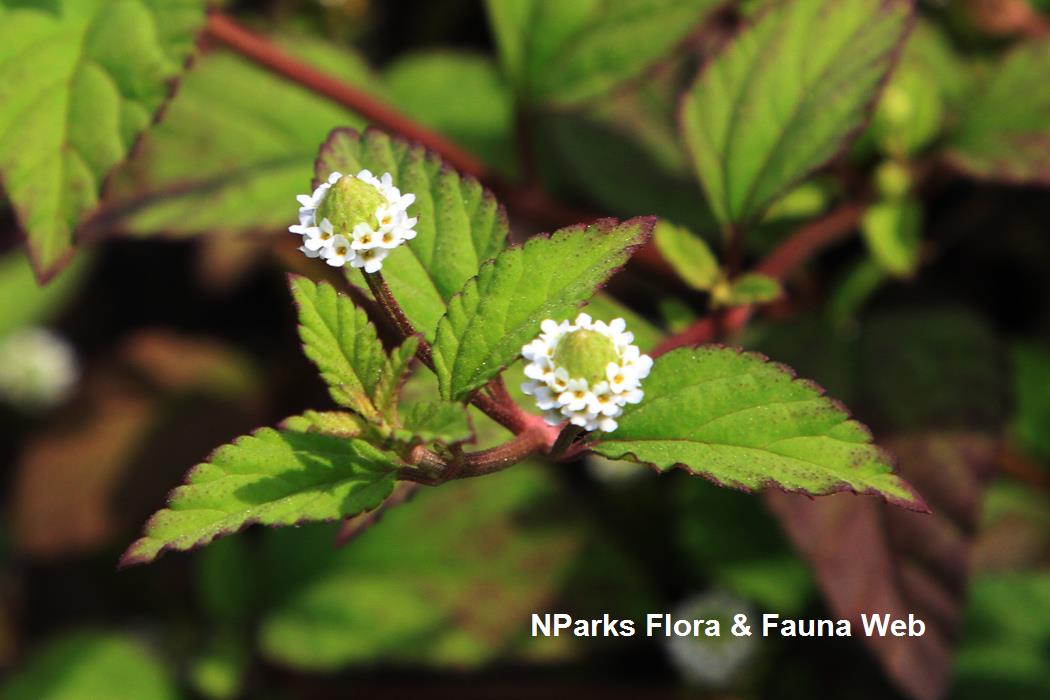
(349, 202)
(585, 354)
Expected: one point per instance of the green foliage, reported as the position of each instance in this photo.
(1003, 132)
(427, 585)
(461, 95)
(1006, 635)
(79, 82)
(35, 304)
(892, 229)
(785, 96)
(338, 337)
(903, 370)
(567, 52)
(337, 423)
(1031, 422)
(749, 288)
(688, 254)
(501, 310)
(460, 224)
(441, 421)
(743, 422)
(755, 562)
(90, 666)
(270, 478)
(927, 81)
(219, 163)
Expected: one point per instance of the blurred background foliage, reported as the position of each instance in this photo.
(932, 323)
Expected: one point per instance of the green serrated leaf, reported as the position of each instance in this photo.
(89, 665)
(338, 423)
(1004, 130)
(218, 163)
(338, 337)
(785, 97)
(750, 288)
(567, 52)
(502, 308)
(441, 421)
(79, 82)
(746, 423)
(460, 223)
(393, 377)
(269, 478)
(891, 230)
(688, 254)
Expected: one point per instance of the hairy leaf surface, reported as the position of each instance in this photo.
(460, 223)
(338, 337)
(785, 96)
(79, 82)
(270, 478)
(502, 308)
(746, 423)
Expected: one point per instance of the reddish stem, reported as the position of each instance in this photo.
(258, 49)
(784, 259)
(392, 310)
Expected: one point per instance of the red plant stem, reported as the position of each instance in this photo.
(258, 49)
(500, 407)
(392, 310)
(811, 239)
(784, 259)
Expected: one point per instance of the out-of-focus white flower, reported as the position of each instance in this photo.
(585, 371)
(714, 662)
(354, 219)
(38, 369)
(613, 472)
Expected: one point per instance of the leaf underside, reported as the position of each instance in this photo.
(746, 423)
(79, 82)
(460, 223)
(502, 308)
(270, 478)
(785, 97)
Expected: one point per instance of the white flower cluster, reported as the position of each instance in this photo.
(366, 240)
(38, 369)
(584, 371)
(712, 662)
